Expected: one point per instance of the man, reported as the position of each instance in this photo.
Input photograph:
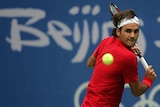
(107, 81)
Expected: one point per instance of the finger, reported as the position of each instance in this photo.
(150, 67)
(153, 73)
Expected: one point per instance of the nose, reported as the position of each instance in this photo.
(132, 34)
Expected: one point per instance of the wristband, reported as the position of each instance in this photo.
(147, 81)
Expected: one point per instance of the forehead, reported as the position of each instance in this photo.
(133, 26)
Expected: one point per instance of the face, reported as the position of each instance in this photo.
(128, 34)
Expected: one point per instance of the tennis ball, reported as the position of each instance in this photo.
(107, 58)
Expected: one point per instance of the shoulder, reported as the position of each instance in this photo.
(124, 55)
(108, 40)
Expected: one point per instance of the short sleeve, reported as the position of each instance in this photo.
(100, 45)
(95, 53)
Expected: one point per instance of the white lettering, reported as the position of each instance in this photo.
(16, 41)
(59, 34)
(143, 102)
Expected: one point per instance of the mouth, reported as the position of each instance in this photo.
(131, 42)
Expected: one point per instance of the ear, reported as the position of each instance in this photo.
(118, 32)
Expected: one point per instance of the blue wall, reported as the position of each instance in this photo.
(44, 46)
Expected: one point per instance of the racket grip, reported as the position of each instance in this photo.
(144, 63)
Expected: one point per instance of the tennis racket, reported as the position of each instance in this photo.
(143, 61)
(114, 10)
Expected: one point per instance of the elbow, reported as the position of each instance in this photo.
(90, 65)
(91, 61)
(137, 94)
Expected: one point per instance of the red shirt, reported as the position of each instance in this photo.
(107, 81)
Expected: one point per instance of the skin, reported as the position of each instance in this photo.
(128, 35)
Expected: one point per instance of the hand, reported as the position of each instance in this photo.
(136, 49)
(150, 73)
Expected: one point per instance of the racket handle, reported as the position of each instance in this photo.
(144, 63)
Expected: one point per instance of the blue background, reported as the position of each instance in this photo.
(46, 74)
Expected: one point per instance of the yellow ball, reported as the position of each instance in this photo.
(107, 59)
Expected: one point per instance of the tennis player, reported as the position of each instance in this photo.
(107, 82)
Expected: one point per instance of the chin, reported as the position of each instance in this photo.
(130, 45)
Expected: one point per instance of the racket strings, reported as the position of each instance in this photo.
(114, 9)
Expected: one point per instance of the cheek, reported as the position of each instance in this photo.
(125, 36)
(122, 38)
(137, 35)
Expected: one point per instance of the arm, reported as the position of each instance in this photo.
(138, 88)
(91, 61)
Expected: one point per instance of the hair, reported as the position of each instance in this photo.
(117, 18)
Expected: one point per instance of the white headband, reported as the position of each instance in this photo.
(128, 21)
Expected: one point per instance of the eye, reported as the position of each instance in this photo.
(136, 31)
(128, 30)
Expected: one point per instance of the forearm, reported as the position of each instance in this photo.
(141, 89)
(138, 88)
